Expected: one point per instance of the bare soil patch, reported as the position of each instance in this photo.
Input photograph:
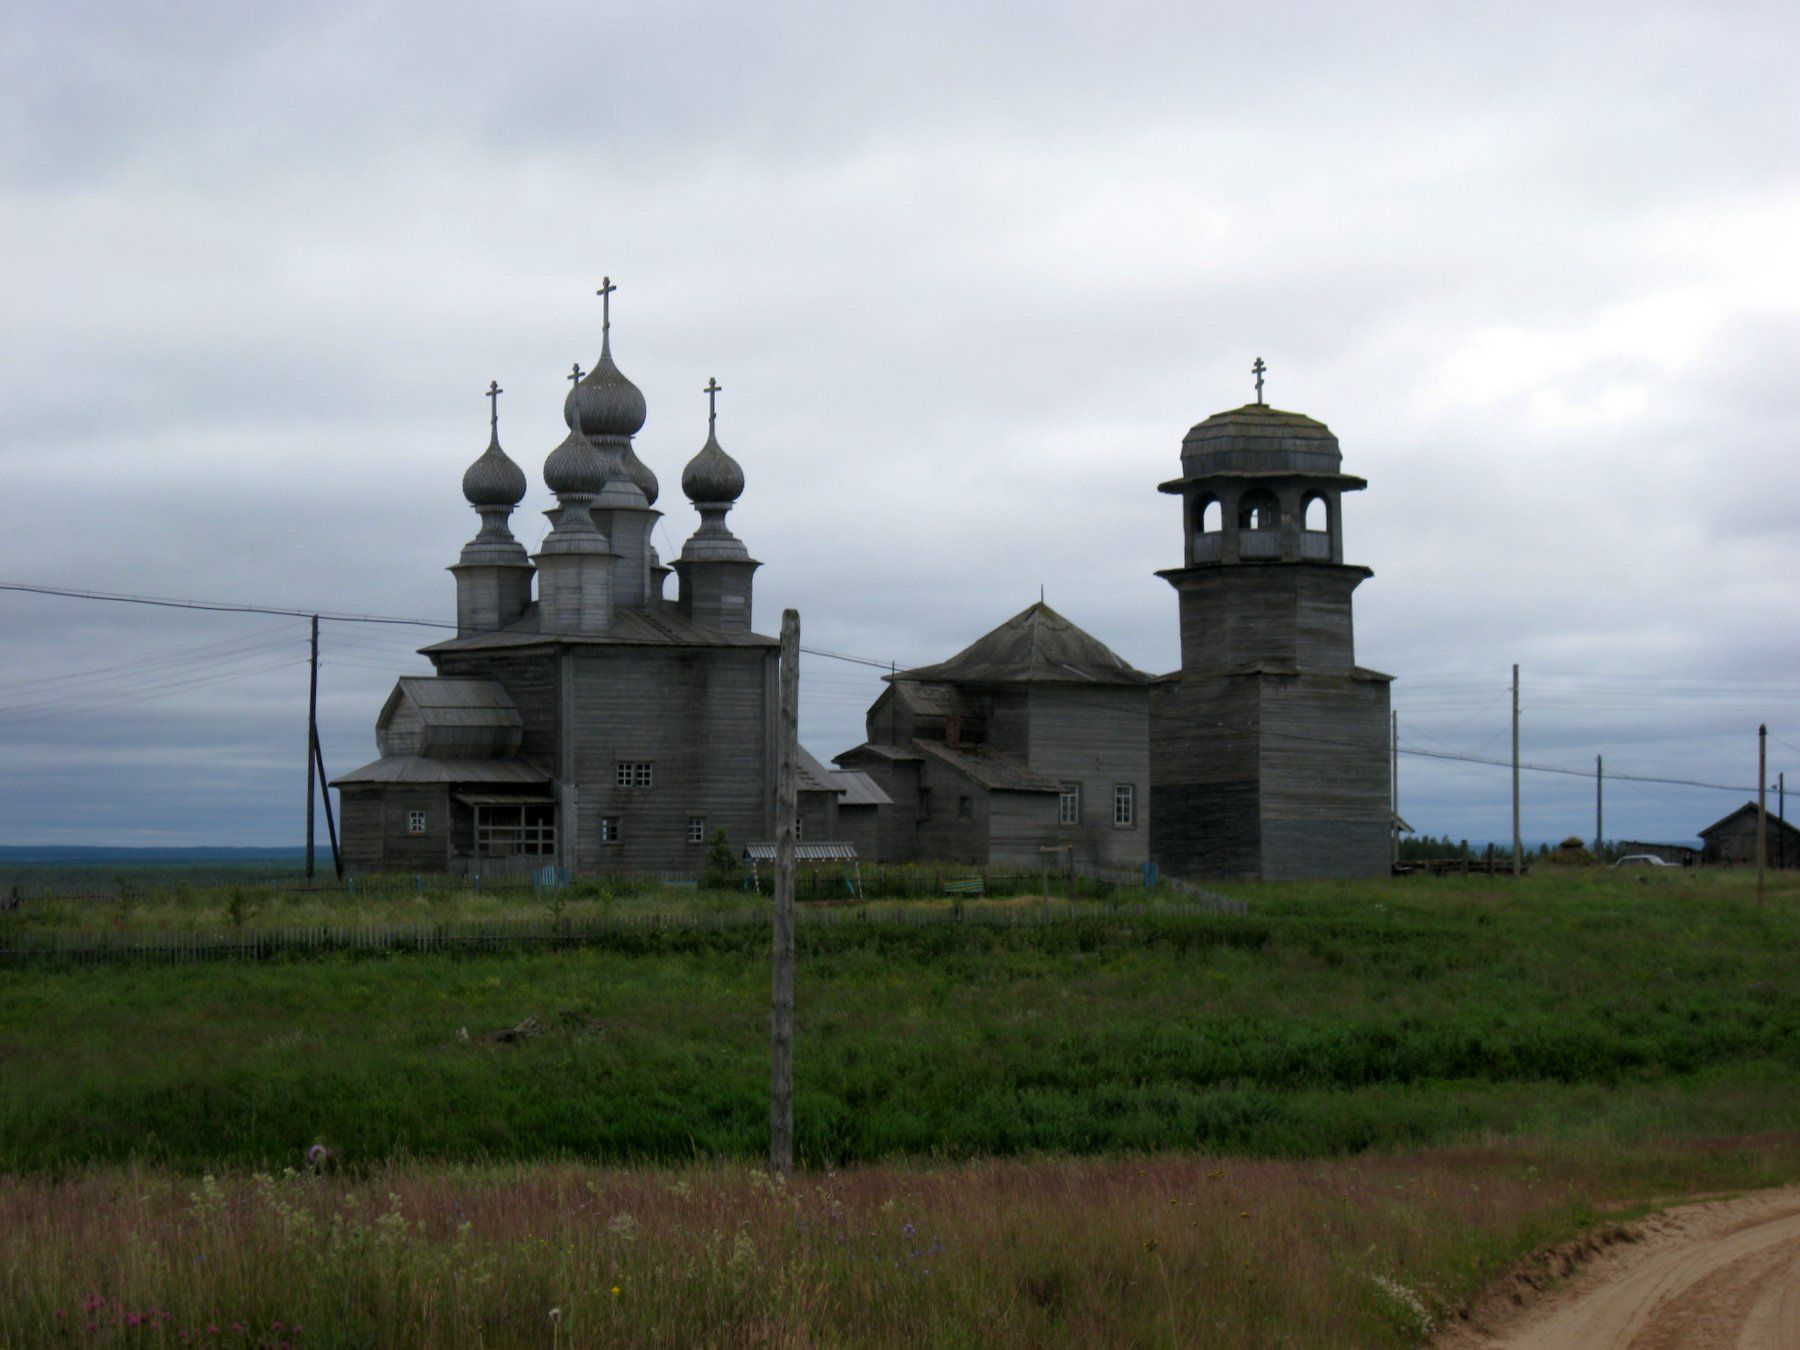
(1720, 1274)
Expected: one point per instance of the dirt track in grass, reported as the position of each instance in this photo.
(1723, 1274)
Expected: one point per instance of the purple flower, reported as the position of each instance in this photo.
(907, 1230)
(318, 1155)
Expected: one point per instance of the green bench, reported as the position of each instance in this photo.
(973, 886)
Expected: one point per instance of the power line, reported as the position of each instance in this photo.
(218, 606)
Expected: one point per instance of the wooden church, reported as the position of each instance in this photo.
(582, 717)
(596, 724)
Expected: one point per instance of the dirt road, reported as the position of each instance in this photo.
(1725, 1274)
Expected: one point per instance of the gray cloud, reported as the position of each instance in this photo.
(967, 277)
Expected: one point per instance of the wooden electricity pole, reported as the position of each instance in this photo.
(1394, 788)
(1762, 806)
(781, 1042)
(1518, 851)
(1599, 804)
(312, 742)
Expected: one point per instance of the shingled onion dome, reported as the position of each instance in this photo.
(641, 474)
(606, 403)
(493, 485)
(713, 481)
(575, 467)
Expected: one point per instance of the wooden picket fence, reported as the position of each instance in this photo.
(507, 935)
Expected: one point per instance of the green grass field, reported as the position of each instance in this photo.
(1330, 1019)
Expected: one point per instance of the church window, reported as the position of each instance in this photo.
(609, 829)
(965, 807)
(799, 829)
(1316, 514)
(1069, 805)
(632, 773)
(696, 829)
(1124, 804)
(415, 822)
(1207, 515)
(1258, 510)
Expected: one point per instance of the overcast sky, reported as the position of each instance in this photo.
(967, 274)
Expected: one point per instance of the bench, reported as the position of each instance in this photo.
(973, 886)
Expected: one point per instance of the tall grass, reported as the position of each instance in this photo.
(1165, 1251)
(1325, 1022)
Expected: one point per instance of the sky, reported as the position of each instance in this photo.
(967, 273)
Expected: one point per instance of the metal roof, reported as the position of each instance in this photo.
(655, 626)
(991, 769)
(878, 751)
(419, 769)
(858, 789)
(803, 853)
(810, 775)
(1035, 646)
(454, 701)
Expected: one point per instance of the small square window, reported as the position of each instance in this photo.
(1124, 804)
(632, 773)
(1069, 805)
(799, 828)
(696, 829)
(609, 829)
(415, 822)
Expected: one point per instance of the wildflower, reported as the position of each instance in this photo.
(907, 1230)
(556, 1314)
(318, 1155)
(615, 1291)
(1244, 1214)
(1151, 1244)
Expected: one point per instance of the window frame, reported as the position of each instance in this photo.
(1070, 793)
(417, 823)
(634, 775)
(611, 829)
(1125, 795)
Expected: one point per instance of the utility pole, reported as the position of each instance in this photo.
(312, 742)
(1781, 818)
(1599, 806)
(781, 1044)
(1394, 788)
(1518, 848)
(1762, 807)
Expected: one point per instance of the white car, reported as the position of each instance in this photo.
(1643, 860)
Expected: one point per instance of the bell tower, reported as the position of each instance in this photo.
(1269, 756)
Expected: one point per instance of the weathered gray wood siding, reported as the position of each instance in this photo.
(1267, 614)
(1099, 738)
(1324, 750)
(698, 715)
(1009, 722)
(945, 834)
(1019, 825)
(818, 815)
(375, 836)
(531, 681)
(1204, 776)
(861, 826)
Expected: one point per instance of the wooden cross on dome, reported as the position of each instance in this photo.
(1257, 368)
(574, 375)
(605, 294)
(712, 391)
(493, 393)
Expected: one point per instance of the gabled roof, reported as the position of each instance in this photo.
(1775, 823)
(1035, 646)
(875, 750)
(421, 769)
(453, 701)
(858, 789)
(810, 775)
(990, 769)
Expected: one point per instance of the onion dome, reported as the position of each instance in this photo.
(606, 403)
(494, 480)
(641, 474)
(1257, 437)
(712, 475)
(575, 467)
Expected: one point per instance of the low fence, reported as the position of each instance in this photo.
(524, 934)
